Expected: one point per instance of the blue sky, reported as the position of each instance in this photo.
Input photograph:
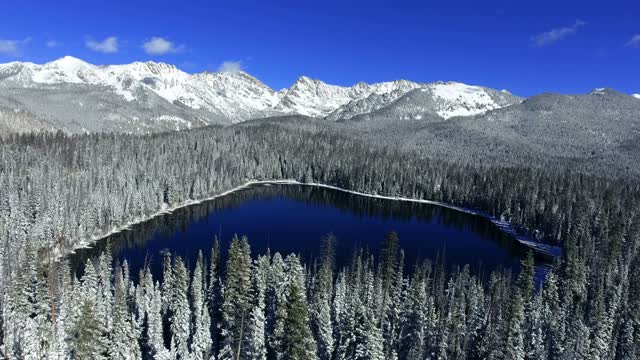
(559, 46)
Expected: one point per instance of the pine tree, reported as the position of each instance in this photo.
(477, 319)
(88, 341)
(554, 317)
(412, 336)
(299, 343)
(167, 284)
(214, 296)
(66, 300)
(35, 335)
(364, 339)
(578, 344)
(391, 284)
(275, 307)
(389, 268)
(515, 339)
(180, 312)
(257, 323)
(238, 298)
(154, 326)
(526, 280)
(105, 291)
(601, 329)
(201, 343)
(124, 336)
(322, 325)
(535, 347)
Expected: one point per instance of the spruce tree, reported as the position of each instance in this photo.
(515, 337)
(322, 325)
(238, 298)
(526, 280)
(180, 311)
(275, 307)
(125, 334)
(88, 339)
(299, 343)
(257, 323)
(201, 342)
(214, 295)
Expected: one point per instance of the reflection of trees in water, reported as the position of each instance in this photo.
(361, 206)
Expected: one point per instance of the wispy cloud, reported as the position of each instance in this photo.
(12, 47)
(554, 35)
(8, 47)
(231, 66)
(161, 46)
(107, 46)
(53, 44)
(634, 41)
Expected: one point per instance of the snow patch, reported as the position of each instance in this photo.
(462, 99)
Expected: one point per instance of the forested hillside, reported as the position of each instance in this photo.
(60, 191)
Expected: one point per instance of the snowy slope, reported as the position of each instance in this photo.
(231, 95)
(637, 96)
(141, 93)
(431, 102)
(315, 98)
(457, 99)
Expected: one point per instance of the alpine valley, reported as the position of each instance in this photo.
(122, 188)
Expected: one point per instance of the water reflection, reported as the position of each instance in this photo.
(293, 218)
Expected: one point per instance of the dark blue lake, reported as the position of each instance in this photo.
(294, 218)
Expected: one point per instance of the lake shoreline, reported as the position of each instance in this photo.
(505, 226)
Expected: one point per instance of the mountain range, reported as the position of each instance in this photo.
(596, 133)
(593, 131)
(74, 96)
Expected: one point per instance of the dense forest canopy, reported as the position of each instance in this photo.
(60, 192)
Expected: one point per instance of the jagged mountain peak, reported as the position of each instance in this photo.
(69, 61)
(305, 79)
(316, 98)
(152, 66)
(231, 96)
(604, 91)
(237, 75)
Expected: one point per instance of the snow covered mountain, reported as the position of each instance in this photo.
(315, 98)
(431, 102)
(231, 95)
(73, 95)
(637, 96)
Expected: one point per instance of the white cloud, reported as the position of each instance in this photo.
(230, 66)
(108, 45)
(634, 41)
(12, 47)
(161, 46)
(53, 44)
(8, 47)
(554, 35)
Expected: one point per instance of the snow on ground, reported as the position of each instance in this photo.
(237, 96)
(637, 96)
(462, 99)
